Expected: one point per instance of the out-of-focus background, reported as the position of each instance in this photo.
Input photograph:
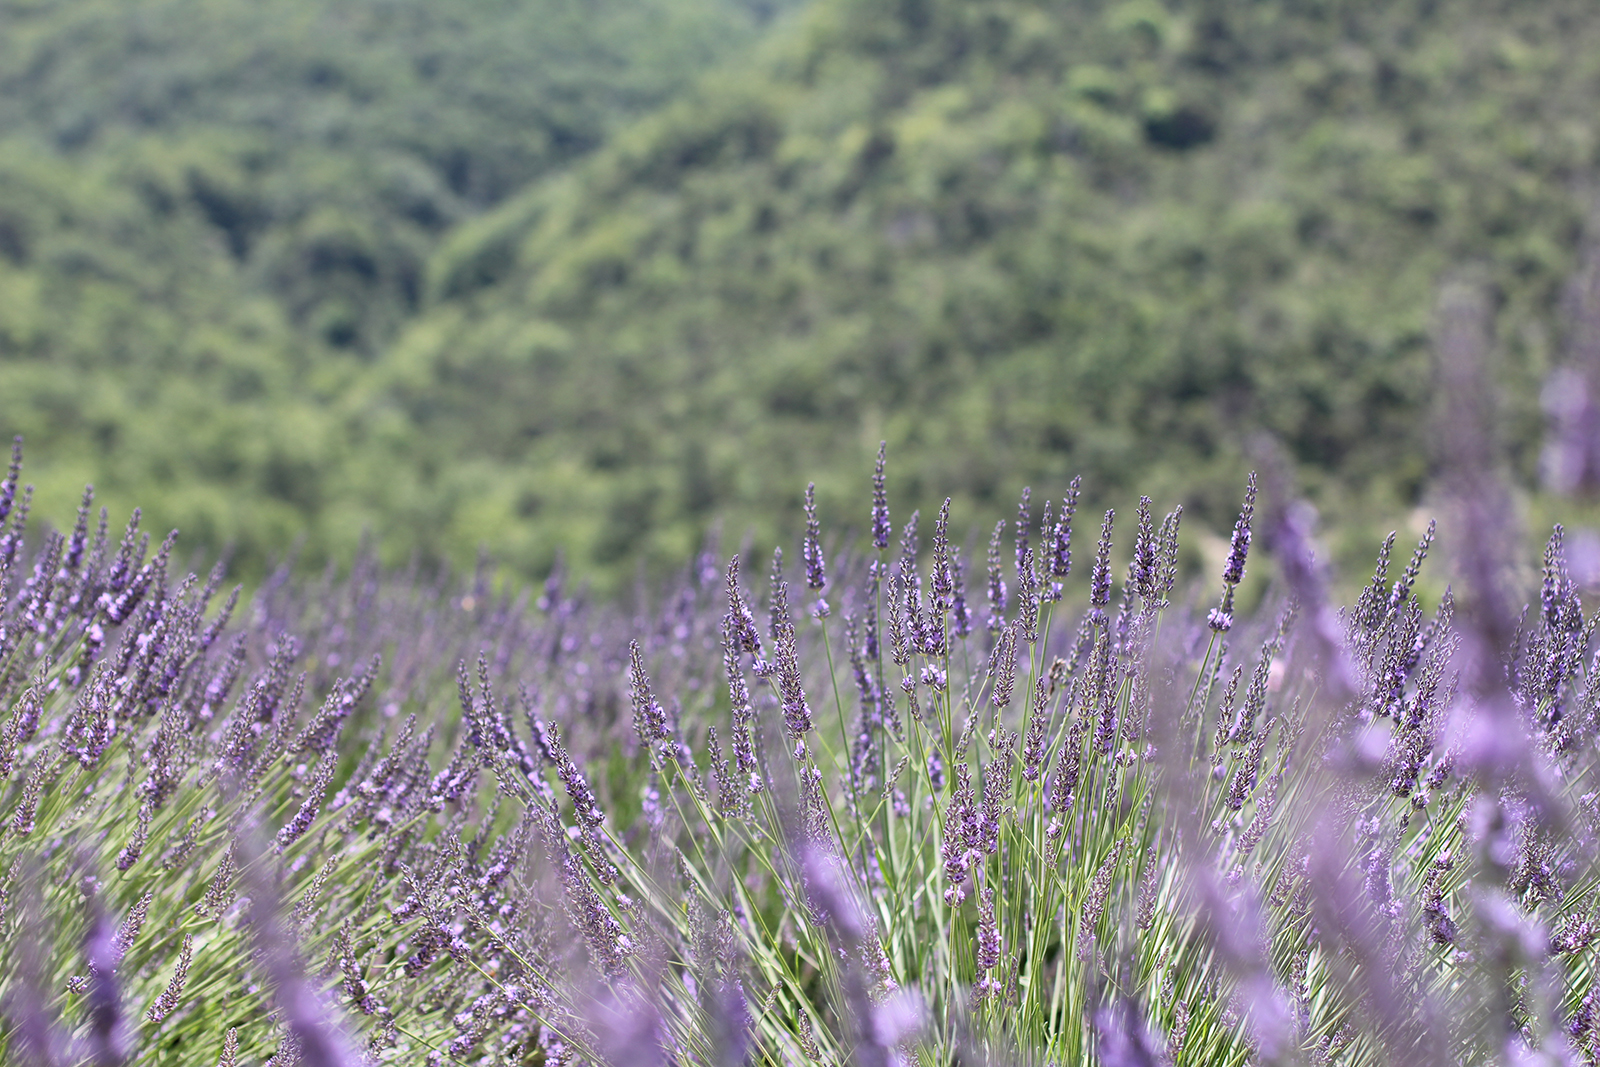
(599, 275)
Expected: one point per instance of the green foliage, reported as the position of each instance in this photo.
(213, 213)
(1021, 240)
(559, 274)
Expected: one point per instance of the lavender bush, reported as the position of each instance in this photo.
(893, 812)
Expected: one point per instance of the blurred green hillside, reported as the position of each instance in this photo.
(216, 215)
(599, 275)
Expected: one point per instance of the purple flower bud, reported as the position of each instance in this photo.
(909, 546)
(309, 809)
(902, 641)
(796, 712)
(91, 729)
(1239, 546)
(1408, 578)
(960, 614)
(354, 984)
(954, 850)
(811, 545)
(1061, 534)
(1003, 667)
(869, 646)
(1100, 577)
(649, 718)
(943, 578)
(1142, 570)
(1069, 767)
(8, 488)
(1557, 596)
(108, 1031)
(996, 783)
(128, 930)
(1033, 750)
(168, 1001)
(23, 820)
(997, 585)
(775, 579)
(743, 622)
(1024, 522)
(313, 1028)
(988, 947)
(12, 539)
(1094, 903)
(881, 529)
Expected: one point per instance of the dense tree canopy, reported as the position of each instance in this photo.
(430, 273)
(214, 215)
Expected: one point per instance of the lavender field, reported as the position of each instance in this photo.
(885, 804)
(786, 532)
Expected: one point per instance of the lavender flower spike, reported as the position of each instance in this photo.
(943, 577)
(1143, 569)
(997, 584)
(1239, 548)
(1003, 668)
(320, 780)
(881, 529)
(796, 712)
(1220, 618)
(8, 488)
(1061, 533)
(743, 622)
(1024, 520)
(172, 996)
(961, 615)
(988, 948)
(649, 717)
(1100, 577)
(811, 546)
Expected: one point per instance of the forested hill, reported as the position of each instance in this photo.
(215, 215)
(1020, 240)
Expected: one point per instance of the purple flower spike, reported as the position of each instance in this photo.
(1143, 570)
(909, 545)
(8, 488)
(1239, 546)
(796, 712)
(988, 954)
(1100, 578)
(1024, 521)
(1061, 533)
(881, 529)
(961, 615)
(997, 584)
(649, 718)
(1220, 618)
(172, 996)
(1003, 667)
(811, 547)
(320, 780)
(740, 618)
(943, 577)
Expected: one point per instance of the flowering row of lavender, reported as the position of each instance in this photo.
(885, 807)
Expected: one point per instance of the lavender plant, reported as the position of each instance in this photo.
(393, 818)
